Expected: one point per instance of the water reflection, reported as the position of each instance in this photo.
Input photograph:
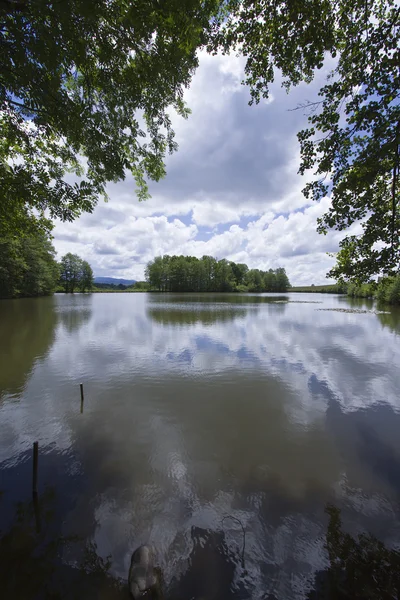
(390, 319)
(369, 443)
(215, 299)
(28, 329)
(74, 311)
(50, 563)
(179, 315)
(357, 303)
(33, 562)
(198, 407)
(389, 316)
(359, 567)
(208, 309)
(211, 570)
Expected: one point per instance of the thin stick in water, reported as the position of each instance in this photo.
(82, 396)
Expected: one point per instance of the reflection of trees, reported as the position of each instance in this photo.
(390, 319)
(27, 332)
(360, 303)
(74, 311)
(172, 298)
(73, 319)
(188, 309)
(190, 317)
(361, 568)
(30, 559)
(27, 329)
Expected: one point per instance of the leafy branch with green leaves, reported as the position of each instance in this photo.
(85, 90)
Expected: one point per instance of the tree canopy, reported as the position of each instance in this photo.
(353, 139)
(27, 266)
(75, 274)
(85, 89)
(207, 274)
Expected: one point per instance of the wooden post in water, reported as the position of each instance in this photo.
(36, 511)
(82, 397)
(35, 469)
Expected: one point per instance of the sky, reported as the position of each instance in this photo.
(231, 191)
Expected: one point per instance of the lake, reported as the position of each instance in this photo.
(216, 428)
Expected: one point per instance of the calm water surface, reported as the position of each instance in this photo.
(197, 407)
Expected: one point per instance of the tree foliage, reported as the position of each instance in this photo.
(27, 266)
(75, 274)
(360, 568)
(353, 139)
(386, 291)
(92, 79)
(190, 274)
(86, 277)
(30, 551)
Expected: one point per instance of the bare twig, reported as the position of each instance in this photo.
(306, 105)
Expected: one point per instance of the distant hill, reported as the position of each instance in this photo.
(114, 281)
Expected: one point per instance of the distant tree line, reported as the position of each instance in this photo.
(335, 288)
(138, 286)
(207, 274)
(110, 287)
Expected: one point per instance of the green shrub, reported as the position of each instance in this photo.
(382, 289)
(393, 291)
(352, 290)
(365, 290)
(368, 290)
(389, 290)
(241, 288)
